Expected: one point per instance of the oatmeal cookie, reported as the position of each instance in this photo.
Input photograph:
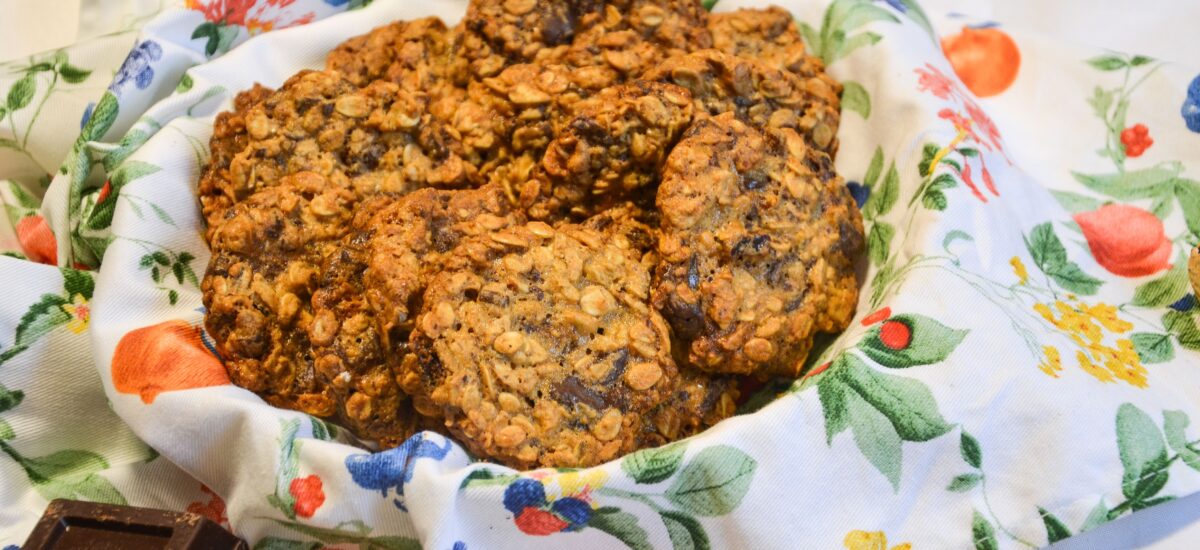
(414, 54)
(699, 400)
(266, 263)
(378, 139)
(758, 242)
(635, 223)
(349, 354)
(613, 147)
(411, 241)
(538, 346)
(497, 33)
(228, 139)
(760, 95)
(624, 39)
(769, 36)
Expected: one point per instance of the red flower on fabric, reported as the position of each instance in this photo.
(230, 12)
(534, 521)
(1126, 240)
(876, 317)
(104, 192)
(984, 123)
(37, 240)
(214, 509)
(934, 82)
(309, 495)
(1136, 140)
(895, 335)
(962, 123)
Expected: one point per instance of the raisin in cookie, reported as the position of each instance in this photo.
(760, 95)
(538, 346)
(266, 263)
(228, 139)
(410, 241)
(613, 146)
(758, 242)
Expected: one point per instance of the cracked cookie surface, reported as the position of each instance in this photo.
(538, 346)
(758, 242)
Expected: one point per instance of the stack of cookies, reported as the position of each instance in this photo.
(557, 232)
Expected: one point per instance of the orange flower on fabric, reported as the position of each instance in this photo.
(1126, 240)
(37, 240)
(987, 60)
(1136, 140)
(164, 357)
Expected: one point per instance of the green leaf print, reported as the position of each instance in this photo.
(875, 436)
(1175, 424)
(352, 532)
(685, 532)
(969, 447)
(834, 40)
(1056, 530)
(1165, 290)
(1188, 193)
(78, 282)
(71, 474)
(1183, 326)
(832, 393)
(907, 403)
(101, 217)
(274, 543)
(964, 482)
(1143, 454)
(1153, 348)
(73, 74)
(926, 342)
(883, 199)
(855, 98)
(1108, 62)
(1146, 183)
(714, 482)
(9, 399)
(128, 144)
(43, 316)
(1097, 517)
(654, 465)
(103, 117)
(1050, 256)
(622, 525)
(879, 240)
(21, 92)
(6, 431)
(708, 4)
(982, 533)
(874, 169)
(1074, 202)
(288, 469)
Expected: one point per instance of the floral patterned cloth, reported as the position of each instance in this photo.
(1022, 368)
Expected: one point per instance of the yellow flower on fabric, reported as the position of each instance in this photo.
(870, 540)
(578, 482)
(1088, 326)
(1052, 364)
(80, 314)
(1019, 270)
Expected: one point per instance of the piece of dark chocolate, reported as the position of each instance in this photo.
(76, 524)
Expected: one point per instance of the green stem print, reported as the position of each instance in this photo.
(69, 308)
(47, 70)
(162, 263)
(712, 483)
(72, 473)
(1146, 452)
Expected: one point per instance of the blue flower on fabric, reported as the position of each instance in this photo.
(898, 5)
(337, 3)
(859, 191)
(392, 468)
(524, 493)
(458, 545)
(576, 512)
(1191, 106)
(87, 115)
(136, 67)
(12, 547)
(1184, 304)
